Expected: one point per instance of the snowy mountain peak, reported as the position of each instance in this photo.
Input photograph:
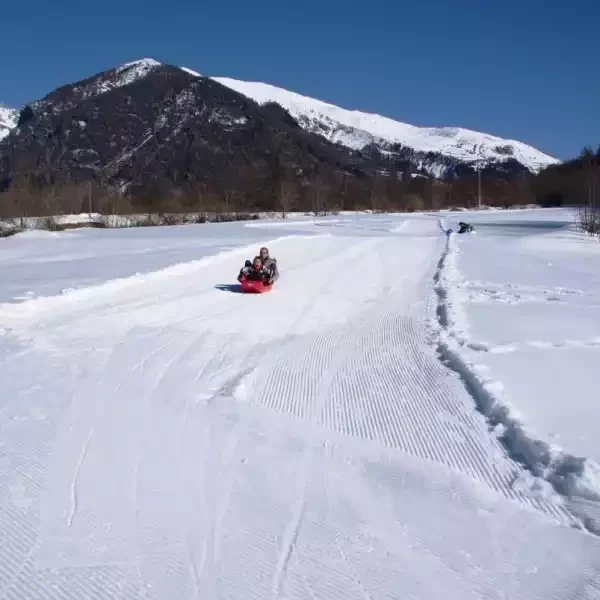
(141, 63)
(99, 84)
(357, 130)
(8, 120)
(137, 69)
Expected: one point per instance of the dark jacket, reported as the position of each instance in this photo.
(251, 274)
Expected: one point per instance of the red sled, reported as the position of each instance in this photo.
(255, 287)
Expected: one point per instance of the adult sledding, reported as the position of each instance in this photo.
(259, 275)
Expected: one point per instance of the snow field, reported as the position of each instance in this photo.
(522, 328)
(164, 436)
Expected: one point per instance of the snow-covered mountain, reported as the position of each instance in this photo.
(438, 151)
(150, 128)
(67, 96)
(8, 120)
(358, 130)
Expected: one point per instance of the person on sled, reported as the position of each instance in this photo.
(269, 264)
(254, 271)
(465, 227)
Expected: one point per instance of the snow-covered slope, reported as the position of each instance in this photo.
(357, 129)
(158, 444)
(8, 120)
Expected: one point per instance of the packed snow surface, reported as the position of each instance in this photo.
(165, 436)
(357, 129)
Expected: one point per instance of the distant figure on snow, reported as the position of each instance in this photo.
(465, 227)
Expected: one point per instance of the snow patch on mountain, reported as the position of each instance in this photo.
(132, 71)
(357, 130)
(119, 77)
(102, 83)
(190, 72)
(8, 120)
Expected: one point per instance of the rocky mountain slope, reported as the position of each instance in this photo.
(146, 127)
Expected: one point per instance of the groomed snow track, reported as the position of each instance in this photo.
(177, 439)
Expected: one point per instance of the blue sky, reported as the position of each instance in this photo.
(523, 69)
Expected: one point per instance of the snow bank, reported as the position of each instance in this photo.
(56, 221)
(39, 234)
(571, 476)
(73, 221)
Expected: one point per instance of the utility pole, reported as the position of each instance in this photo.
(592, 188)
(479, 185)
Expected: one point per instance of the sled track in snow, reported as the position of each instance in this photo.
(182, 496)
(377, 378)
(515, 441)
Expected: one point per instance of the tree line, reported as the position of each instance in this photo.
(574, 182)
(281, 190)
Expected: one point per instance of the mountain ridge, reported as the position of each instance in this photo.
(357, 129)
(440, 152)
(158, 131)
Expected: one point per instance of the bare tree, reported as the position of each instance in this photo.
(589, 173)
(378, 197)
(318, 193)
(288, 194)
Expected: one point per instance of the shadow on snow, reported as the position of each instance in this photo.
(234, 288)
